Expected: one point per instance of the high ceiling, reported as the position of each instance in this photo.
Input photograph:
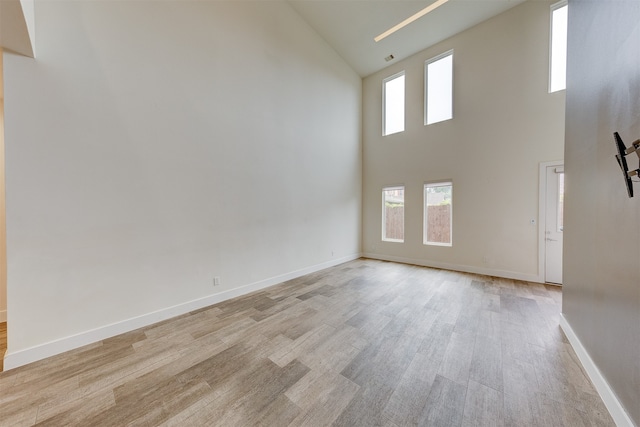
(349, 26)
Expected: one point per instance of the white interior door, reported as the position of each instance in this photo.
(554, 224)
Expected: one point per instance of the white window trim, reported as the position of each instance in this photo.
(439, 183)
(426, 76)
(384, 101)
(384, 214)
(553, 7)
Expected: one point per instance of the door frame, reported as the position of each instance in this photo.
(3, 211)
(542, 217)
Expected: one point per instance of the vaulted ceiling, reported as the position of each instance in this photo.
(349, 26)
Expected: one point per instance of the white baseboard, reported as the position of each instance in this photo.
(456, 267)
(3, 316)
(617, 411)
(33, 354)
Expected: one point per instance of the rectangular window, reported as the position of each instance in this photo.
(393, 100)
(393, 214)
(438, 217)
(558, 55)
(438, 84)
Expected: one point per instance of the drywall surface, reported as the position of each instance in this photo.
(153, 146)
(505, 123)
(601, 293)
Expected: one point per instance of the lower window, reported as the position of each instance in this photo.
(438, 215)
(393, 214)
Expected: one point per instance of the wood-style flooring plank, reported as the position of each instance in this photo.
(336, 352)
(322, 396)
(307, 342)
(268, 385)
(445, 404)
(483, 406)
(456, 364)
(486, 363)
(77, 412)
(409, 398)
(366, 407)
(520, 387)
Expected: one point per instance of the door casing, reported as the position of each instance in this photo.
(542, 209)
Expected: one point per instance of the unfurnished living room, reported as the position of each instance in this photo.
(308, 212)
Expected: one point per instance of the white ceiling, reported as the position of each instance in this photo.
(349, 26)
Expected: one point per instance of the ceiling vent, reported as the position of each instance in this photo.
(388, 58)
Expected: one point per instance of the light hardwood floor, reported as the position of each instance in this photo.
(365, 343)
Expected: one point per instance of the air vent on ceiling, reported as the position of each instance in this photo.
(388, 58)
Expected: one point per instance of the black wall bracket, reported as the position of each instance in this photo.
(623, 152)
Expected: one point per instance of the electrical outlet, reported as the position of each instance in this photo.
(216, 281)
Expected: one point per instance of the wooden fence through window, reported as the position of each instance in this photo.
(438, 223)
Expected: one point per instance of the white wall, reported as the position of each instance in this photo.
(505, 123)
(154, 145)
(601, 292)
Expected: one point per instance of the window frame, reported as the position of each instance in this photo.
(384, 102)
(553, 8)
(425, 223)
(426, 86)
(384, 213)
